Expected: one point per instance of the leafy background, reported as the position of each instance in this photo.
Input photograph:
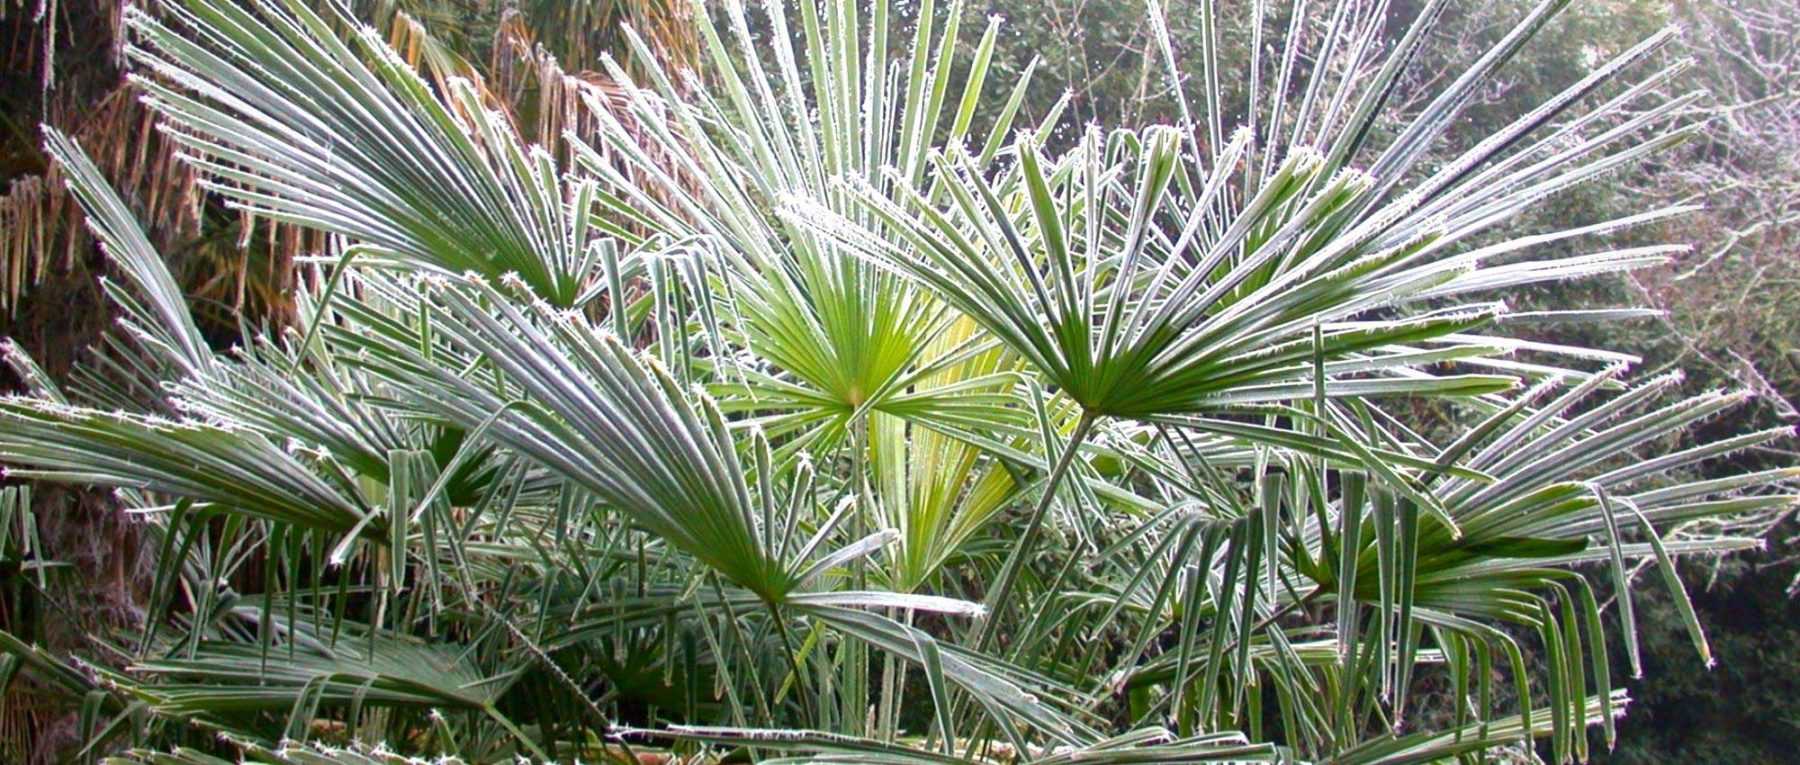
(1729, 320)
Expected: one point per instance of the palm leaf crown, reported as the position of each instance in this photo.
(709, 437)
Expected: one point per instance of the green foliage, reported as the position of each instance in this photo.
(706, 439)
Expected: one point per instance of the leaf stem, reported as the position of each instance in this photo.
(998, 598)
(787, 649)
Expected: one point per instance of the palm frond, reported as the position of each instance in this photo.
(706, 429)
